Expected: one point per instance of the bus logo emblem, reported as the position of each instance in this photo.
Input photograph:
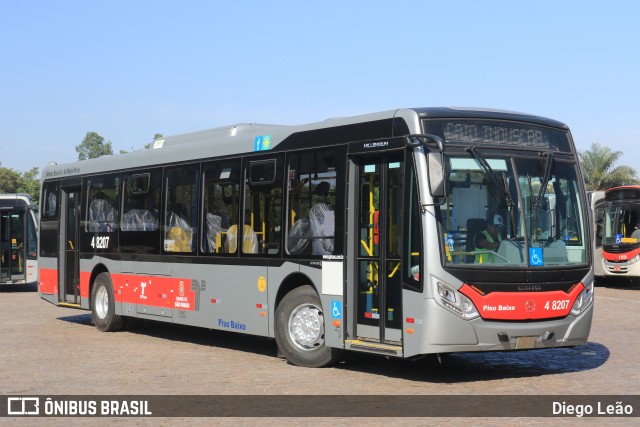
(530, 306)
(181, 288)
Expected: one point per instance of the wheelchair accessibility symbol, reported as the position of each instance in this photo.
(336, 309)
(535, 257)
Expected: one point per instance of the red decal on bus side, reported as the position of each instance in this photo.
(523, 305)
(48, 281)
(154, 291)
(85, 278)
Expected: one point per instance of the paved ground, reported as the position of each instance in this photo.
(46, 350)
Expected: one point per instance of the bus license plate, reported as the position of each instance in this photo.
(525, 342)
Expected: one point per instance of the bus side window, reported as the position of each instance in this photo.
(50, 201)
(311, 196)
(141, 200)
(262, 207)
(181, 209)
(102, 212)
(221, 206)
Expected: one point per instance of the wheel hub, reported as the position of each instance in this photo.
(306, 327)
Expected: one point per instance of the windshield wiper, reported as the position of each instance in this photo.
(536, 201)
(496, 182)
(545, 179)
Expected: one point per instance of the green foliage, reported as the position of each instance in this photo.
(12, 182)
(599, 171)
(9, 180)
(93, 146)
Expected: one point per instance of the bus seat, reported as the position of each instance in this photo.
(139, 220)
(249, 243)
(179, 237)
(214, 227)
(179, 240)
(299, 236)
(101, 215)
(474, 226)
(322, 221)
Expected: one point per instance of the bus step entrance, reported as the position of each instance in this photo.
(373, 347)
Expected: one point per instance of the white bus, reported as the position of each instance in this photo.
(348, 234)
(18, 240)
(617, 224)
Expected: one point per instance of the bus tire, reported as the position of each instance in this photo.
(103, 305)
(300, 329)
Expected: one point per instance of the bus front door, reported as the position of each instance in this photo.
(12, 231)
(69, 278)
(378, 248)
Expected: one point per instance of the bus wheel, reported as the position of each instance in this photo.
(300, 329)
(103, 306)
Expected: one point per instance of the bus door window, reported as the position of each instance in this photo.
(32, 236)
(413, 233)
(380, 228)
(16, 239)
(221, 206)
(181, 214)
(141, 212)
(311, 198)
(262, 208)
(49, 220)
(5, 245)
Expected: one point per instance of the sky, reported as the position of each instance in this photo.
(130, 69)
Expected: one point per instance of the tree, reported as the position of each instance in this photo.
(93, 146)
(30, 184)
(12, 182)
(599, 171)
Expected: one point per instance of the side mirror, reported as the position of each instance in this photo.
(435, 161)
(437, 181)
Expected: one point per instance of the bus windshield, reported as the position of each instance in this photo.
(621, 224)
(512, 211)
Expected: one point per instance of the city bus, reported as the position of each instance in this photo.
(18, 240)
(617, 220)
(350, 234)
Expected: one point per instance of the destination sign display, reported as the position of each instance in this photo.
(502, 133)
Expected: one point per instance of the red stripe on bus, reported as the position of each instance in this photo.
(48, 281)
(523, 305)
(620, 257)
(85, 279)
(154, 291)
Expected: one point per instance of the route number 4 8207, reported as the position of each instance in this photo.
(100, 242)
(561, 304)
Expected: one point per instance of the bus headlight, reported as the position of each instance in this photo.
(454, 301)
(584, 300)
